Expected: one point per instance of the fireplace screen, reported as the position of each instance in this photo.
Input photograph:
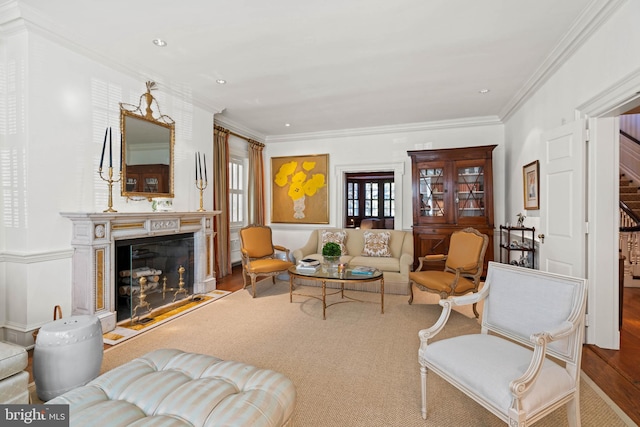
(151, 274)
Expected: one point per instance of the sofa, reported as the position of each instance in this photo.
(14, 379)
(172, 387)
(390, 251)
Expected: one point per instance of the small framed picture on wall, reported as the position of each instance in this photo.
(531, 180)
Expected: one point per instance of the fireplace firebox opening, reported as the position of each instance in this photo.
(151, 273)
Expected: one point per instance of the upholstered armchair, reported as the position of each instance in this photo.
(525, 362)
(259, 255)
(462, 269)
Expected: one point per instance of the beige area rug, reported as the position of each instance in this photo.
(356, 368)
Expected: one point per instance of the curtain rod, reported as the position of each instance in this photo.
(251, 141)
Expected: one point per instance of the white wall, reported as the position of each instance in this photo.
(57, 105)
(382, 151)
(602, 64)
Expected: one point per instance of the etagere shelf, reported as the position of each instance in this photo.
(517, 240)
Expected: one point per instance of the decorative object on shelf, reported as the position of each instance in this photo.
(531, 181)
(331, 253)
(162, 204)
(299, 189)
(201, 183)
(109, 179)
(522, 243)
(521, 218)
(147, 141)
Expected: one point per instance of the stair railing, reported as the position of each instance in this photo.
(629, 244)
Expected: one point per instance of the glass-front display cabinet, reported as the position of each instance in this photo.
(452, 189)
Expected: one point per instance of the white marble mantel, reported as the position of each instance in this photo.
(93, 241)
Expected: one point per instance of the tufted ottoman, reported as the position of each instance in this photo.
(169, 387)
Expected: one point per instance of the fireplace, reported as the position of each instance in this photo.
(109, 246)
(152, 273)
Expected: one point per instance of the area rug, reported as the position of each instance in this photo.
(356, 368)
(129, 329)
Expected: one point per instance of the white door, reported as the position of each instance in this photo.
(562, 200)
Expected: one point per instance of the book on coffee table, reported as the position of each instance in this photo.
(307, 268)
(362, 270)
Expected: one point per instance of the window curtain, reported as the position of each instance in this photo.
(255, 190)
(221, 201)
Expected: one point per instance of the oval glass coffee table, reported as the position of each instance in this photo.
(325, 277)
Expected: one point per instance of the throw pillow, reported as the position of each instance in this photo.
(376, 244)
(339, 237)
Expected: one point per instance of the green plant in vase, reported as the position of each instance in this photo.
(331, 253)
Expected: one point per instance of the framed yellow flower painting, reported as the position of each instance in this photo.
(300, 189)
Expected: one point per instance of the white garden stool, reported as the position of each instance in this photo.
(68, 354)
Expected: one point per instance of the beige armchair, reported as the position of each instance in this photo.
(525, 362)
(462, 269)
(259, 255)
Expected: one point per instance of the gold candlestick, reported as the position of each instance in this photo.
(201, 185)
(110, 181)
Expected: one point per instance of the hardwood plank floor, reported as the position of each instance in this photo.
(617, 373)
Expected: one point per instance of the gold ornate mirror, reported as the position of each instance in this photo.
(147, 149)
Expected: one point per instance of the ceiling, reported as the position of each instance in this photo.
(329, 65)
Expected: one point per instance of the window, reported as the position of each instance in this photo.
(370, 196)
(236, 192)
(353, 207)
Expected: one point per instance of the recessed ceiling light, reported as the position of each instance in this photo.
(221, 81)
(483, 91)
(287, 124)
(159, 42)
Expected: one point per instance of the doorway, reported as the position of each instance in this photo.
(370, 200)
(395, 169)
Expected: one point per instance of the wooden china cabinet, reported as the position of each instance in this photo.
(452, 190)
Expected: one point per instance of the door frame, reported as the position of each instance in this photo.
(603, 155)
(398, 169)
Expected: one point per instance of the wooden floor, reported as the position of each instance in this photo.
(617, 373)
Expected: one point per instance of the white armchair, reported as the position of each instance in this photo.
(525, 363)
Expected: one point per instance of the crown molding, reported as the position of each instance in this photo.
(11, 21)
(379, 130)
(589, 21)
(615, 99)
(15, 17)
